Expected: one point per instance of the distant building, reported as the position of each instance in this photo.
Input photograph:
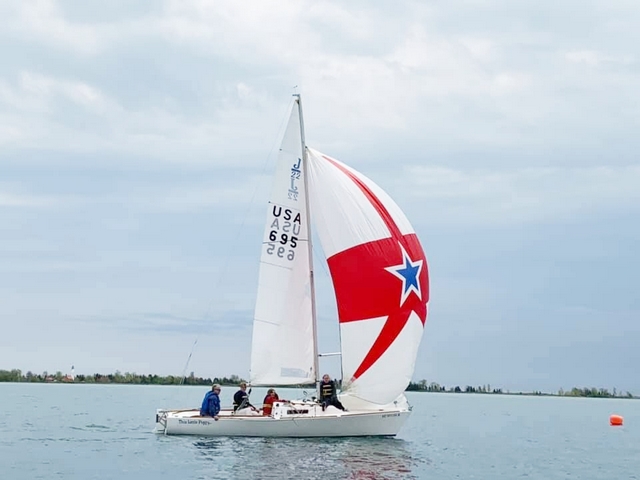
(70, 377)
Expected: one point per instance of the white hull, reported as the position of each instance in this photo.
(313, 423)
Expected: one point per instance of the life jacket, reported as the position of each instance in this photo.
(210, 405)
(241, 400)
(267, 404)
(327, 390)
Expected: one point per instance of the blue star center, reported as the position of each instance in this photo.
(409, 273)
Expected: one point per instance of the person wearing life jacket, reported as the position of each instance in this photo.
(267, 404)
(329, 394)
(211, 403)
(241, 399)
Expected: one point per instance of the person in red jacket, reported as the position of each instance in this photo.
(267, 404)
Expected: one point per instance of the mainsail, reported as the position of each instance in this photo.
(379, 273)
(282, 350)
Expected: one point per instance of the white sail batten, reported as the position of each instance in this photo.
(283, 347)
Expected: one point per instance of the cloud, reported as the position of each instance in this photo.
(43, 86)
(44, 20)
(525, 195)
(425, 82)
(167, 323)
(224, 192)
(594, 58)
(8, 199)
(103, 125)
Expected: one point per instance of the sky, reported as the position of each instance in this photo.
(137, 141)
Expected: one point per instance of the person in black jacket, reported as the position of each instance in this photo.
(329, 394)
(241, 398)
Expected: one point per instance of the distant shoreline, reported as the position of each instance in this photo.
(587, 392)
(231, 385)
(117, 378)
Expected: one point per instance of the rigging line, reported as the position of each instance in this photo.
(319, 253)
(184, 372)
(239, 230)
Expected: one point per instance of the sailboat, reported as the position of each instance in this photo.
(380, 279)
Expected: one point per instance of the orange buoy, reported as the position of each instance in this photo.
(616, 420)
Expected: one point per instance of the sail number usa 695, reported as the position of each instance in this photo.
(284, 231)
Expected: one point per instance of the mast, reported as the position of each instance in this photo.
(305, 169)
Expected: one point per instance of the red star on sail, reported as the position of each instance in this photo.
(384, 278)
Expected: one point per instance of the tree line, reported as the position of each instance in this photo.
(136, 379)
(117, 377)
(424, 386)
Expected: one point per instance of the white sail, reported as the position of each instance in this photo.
(380, 278)
(282, 349)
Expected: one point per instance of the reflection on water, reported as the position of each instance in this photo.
(283, 458)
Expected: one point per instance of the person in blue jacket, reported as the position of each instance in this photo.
(211, 403)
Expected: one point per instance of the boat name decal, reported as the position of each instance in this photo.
(194, 422)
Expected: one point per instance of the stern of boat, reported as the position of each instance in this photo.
(161, 421)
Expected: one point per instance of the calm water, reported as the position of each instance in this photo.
(105, 432)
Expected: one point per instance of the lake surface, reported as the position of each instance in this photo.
(106, 432)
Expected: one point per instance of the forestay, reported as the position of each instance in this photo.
(282, 350)
(379, 273)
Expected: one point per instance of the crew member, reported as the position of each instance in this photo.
(328, 394)
(211, 403)
(267, 404)
(241, 398)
